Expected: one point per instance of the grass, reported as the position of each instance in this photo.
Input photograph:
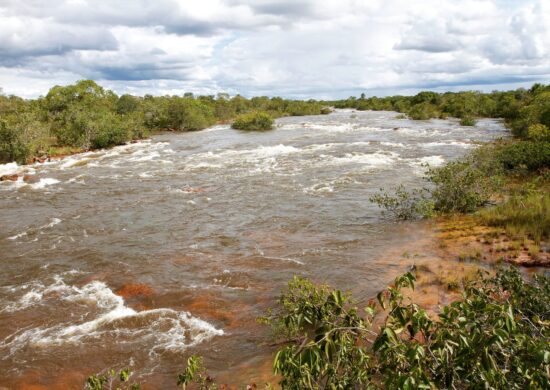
(59, 151)
(521, 216)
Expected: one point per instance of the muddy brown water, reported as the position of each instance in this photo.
(146, 253)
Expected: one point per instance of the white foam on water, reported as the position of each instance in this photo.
(433, 161)
(420, 165)
(447, 143)
(145, 156)
(328, 186)
(287, 259)
(9, 168)
(393, 144)
(25, 301)
(106, 315)
(77, 180)
(44, 182)
(52, 223)
(333, 145)
(371, 160)
(222, 157)
(418, 132)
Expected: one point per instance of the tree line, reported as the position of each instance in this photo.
(86, 116)
(522, 109)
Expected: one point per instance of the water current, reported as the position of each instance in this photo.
(145, 253)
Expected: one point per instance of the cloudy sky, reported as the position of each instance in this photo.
(291, 48)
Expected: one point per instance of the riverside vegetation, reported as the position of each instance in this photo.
(495, 336)
(87, 116)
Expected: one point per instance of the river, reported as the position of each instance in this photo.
(145, 253)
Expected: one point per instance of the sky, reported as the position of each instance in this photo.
(292, 48)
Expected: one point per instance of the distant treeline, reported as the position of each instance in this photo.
(521, 108)
(86, 116)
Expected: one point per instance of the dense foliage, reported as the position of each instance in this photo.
(253, 121)
(87, 116)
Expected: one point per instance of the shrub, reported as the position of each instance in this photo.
(253, 121)
(22, 136)
(423, 111)
(108, 130)
(461, 186)
(538, 132)
(187, 114)
(495, 337)
(467, 121)
(107, 380)
(405, 205)
(528, 155)
(12, 147)
(537, 111)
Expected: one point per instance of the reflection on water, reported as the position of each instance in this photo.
(144, 253)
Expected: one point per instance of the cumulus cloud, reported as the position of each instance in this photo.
(294, 48)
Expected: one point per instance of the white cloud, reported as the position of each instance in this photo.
(304, 48)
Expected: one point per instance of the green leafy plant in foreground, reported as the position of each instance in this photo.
(495, 337)
(111, 380)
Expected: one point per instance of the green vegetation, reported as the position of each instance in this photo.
(525, 155)
(86, 116)
(520, 108)
(522, 216)
(461, 186)
(405, 204)
(495, 337)
(467, 121)
(253, 121)
(111, 380)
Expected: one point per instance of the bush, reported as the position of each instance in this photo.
(501, 323)
(423, 111)
(107, 130)
(12, 147)
(106, 381)
(468, 121)
(188, 114)
(405, 205)
(253, 121)
(461, 186)
(22, 136)
(528, 155)
(538, 132)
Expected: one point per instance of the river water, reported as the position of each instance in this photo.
(145, 253)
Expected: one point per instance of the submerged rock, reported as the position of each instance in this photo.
(12, 177)
(30, 179)
(132, 290)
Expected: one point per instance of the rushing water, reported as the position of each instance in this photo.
(198, 232)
